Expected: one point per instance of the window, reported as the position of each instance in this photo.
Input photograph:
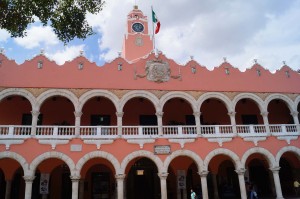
(100, 120)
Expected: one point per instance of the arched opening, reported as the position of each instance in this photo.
(259, 176)
(57, 110)
(183, 176)
(18, 185)
(279, 112)
(178, 111)
(52, 180)
(11, 179)
(139, 111)
(289, 171)
(142, 181)
(214, 112)
(247, 112)
(223, 180)
(99, 111)
(98, 180)
(15, 110)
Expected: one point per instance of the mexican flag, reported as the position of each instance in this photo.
(156, 21)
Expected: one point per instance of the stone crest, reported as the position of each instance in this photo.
(158, 71)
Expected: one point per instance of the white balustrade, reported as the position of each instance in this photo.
(104, 132)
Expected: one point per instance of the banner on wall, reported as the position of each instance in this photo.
(181, 179)
(44, 183)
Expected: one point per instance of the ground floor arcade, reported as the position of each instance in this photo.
(141, 174)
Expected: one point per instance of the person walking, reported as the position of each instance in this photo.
(193, 194)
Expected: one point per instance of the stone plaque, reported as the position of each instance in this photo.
(76, 147)
(162, 149)
(158, 71)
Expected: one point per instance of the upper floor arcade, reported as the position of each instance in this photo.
(146, 114)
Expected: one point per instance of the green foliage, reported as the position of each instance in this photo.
(67, 17)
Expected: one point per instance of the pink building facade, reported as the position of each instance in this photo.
(143, 126)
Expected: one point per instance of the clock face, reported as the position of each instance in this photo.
(137, 27)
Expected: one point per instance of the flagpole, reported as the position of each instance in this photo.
(153, 35)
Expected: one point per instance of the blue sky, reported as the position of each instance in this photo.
(241, 31)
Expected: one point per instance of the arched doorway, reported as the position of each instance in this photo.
(289, 171)
(98, 180)
(279, 112)
(52, 180)
(17, 185)
(143, 181)
(247, 112)
(208, 112)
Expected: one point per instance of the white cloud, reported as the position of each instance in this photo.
(38, 36)
(67, 54)
(210, 30)
(4, 35)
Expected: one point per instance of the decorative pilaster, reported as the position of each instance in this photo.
(7, 189)
(159, 115)
(120, 185)
(232, 120)
(35, 116)
(77, 123)
(203, 175)
(197, 115)
(28, 186)
(163, 185)
(75, 186)
(275, 171)
(119, 122)
(241, 176)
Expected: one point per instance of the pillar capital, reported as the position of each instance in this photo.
(78, 113)
(119, 114)
(163, 175)
(275, 169)
(120, 176)
(29, 178)
(231, 113)
(159, 113)
(240, 171)
(264, 113)
(197, 113)
(294, 113)
(203, 173)
(35, 113)
(75, 178)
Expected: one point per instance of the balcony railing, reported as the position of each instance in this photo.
(129, 132)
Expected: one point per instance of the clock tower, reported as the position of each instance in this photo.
(137, 41)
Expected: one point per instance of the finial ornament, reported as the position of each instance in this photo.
(81, 52)
(255, 61)
(119, 54)
(225, 59)
(284, 63)
(1, 50)
(192, 57)
(42, 51)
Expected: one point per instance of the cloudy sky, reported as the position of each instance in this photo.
(241, 31)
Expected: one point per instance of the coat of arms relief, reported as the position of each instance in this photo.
(157, 71)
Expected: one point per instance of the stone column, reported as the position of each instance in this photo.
(266, 120)
(35, 117)
(8, 189)
(232, 120)
(119, 122)
(296, 120)
(163, 185)
(215, 185)
(241, 176)
(120, 185)
(275, 171)
(77, 123)
(160, 122)
(75, 182)
(198, 122)
(28, 186)
(203, 175)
